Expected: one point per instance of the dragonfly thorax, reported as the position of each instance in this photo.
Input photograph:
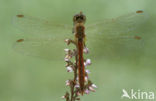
(79, 31)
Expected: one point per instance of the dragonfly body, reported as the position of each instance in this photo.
(79, 31)
(45, 39)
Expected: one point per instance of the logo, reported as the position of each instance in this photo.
(132, 94)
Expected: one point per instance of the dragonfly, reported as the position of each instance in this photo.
(44, 39)
(79, 30)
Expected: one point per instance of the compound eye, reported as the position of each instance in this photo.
(79, 17)
(75, 17)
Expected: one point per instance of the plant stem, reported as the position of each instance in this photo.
(74, 80)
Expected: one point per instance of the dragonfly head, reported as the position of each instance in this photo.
(79, 18)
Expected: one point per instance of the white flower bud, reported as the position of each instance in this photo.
(87, 71)
(66, 50)
(88, 62)
(69, 69)
(91, 89)
(66, 59)
(86, 50)
(87, 91)
(66, 40)
(67, 83)
(86, 78)
(94, 86)
(63, 97)
(77, 86)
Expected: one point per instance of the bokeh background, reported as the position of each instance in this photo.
(26, 78)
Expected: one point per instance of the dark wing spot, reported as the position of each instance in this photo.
(20, 40)
(139, 11)
(20, 16)
(137, 37)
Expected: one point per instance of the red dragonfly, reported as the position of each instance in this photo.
(79, 30)
(45, 39)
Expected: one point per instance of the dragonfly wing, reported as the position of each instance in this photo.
(119, 26)
(41, 38)
(32, 25)
(50, 48)
(115, 47)
(116, 36)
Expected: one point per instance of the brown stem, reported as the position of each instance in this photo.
(74, 80)
(73, 83)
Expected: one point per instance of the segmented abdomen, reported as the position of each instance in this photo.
(81, 65)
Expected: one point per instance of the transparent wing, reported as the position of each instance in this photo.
(117, 37)
(31, 25)
(119, 26)
(41, 38)
(110, 38)
(50, 48)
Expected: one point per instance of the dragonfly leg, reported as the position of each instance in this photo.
(69, 41)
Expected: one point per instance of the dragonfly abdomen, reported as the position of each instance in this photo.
(80, 35)
(81, 65)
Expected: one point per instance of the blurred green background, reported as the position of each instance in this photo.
(25, 78)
